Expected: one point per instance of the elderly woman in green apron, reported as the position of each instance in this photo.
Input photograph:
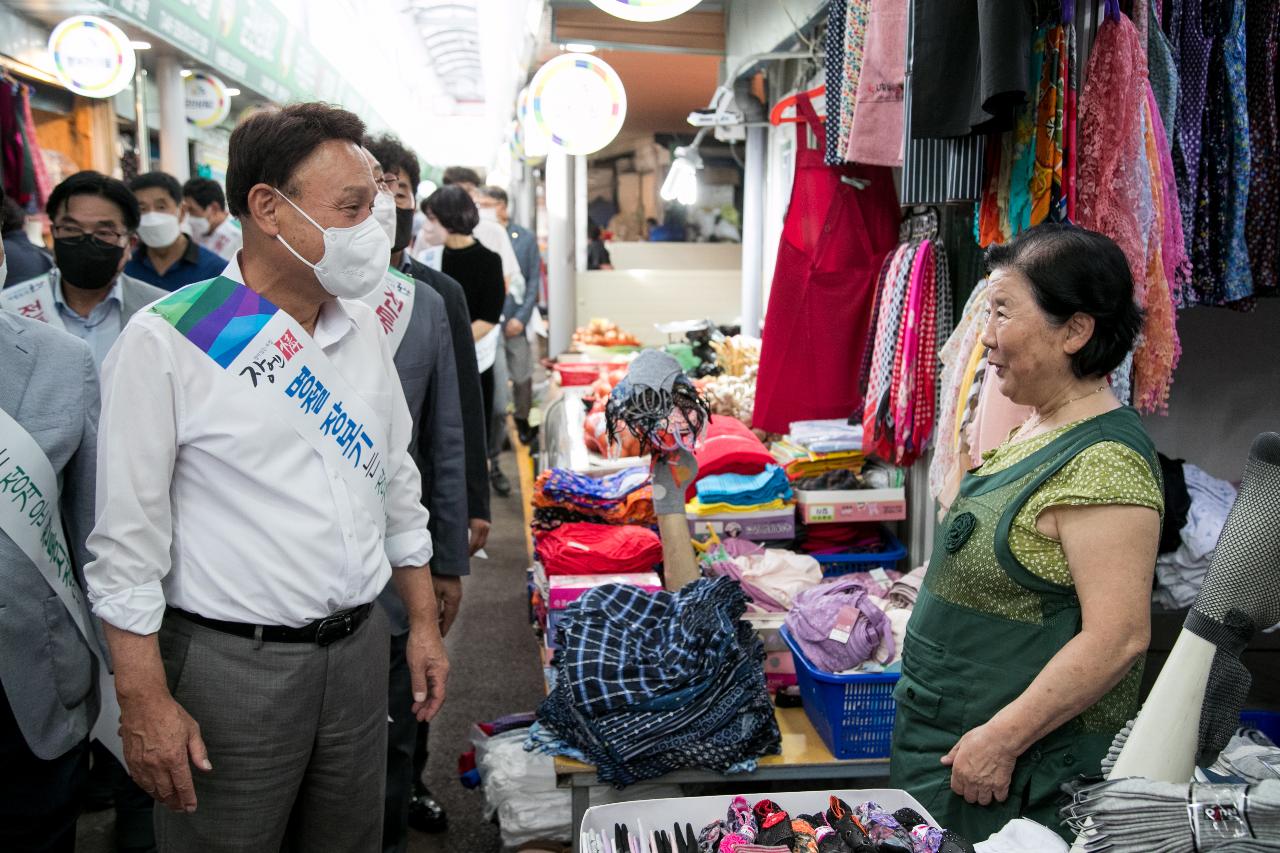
(1024, 653)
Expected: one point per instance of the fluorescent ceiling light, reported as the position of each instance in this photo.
(578, 47)
(186, 72)
(232, 91)
(140, 45)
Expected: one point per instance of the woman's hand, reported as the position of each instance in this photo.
(981, 765)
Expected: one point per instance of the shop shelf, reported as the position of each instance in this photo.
(852, 713)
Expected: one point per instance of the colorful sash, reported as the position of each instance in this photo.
(267, 353)
(392, 302)
(33, 299)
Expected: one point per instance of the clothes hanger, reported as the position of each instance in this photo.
(776, 116)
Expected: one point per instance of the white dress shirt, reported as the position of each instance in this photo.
(224, 241)
(208, 503)
(101, 328)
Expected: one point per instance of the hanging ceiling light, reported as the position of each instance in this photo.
(681, 183)
(645, 11)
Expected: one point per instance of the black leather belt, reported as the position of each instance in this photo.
(322, 632)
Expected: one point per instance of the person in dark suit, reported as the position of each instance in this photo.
(26, 260)
(443, 391)
(49, 696)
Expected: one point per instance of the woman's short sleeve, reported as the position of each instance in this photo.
(1106, 474)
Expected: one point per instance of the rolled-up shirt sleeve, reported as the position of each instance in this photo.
(408, 542)
(137, 446)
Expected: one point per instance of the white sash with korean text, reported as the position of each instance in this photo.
(30, 516)
(392, 303)
(33, 299)
(284, 368)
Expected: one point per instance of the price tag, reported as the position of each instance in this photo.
(845, 619)
(822, 513)
(1218, 813)
(880, 576)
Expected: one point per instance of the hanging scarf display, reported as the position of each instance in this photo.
(913, 312)
(1030, 170)
(1262, 225)
(857, 14)
(1125, 193)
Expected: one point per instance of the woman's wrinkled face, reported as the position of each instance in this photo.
(1025, 349)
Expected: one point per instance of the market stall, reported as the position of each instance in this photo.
(834, 436)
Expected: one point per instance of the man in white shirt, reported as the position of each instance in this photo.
(241, 539)
(211, 225)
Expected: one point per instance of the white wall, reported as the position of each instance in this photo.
(675, 256)
(1226, 389)
(637, 299)
(760, 26)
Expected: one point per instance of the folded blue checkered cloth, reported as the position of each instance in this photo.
(648, 683)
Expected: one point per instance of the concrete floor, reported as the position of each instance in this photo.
(495, 671)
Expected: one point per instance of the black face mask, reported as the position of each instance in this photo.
(404, 228)
(87, 263)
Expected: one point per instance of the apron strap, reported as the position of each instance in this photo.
(804, 106)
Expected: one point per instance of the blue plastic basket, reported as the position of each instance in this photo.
(852, 713)
(892, 553)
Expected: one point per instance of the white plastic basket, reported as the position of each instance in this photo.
(699, 811)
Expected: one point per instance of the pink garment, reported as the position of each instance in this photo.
(876, 136)
(1117, 194)
(996, 416)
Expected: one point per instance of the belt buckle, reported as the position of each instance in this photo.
(333, 628)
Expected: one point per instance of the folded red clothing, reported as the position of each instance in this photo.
(587, 549)
(729, 448)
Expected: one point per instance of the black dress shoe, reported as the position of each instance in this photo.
(425, 812)
(500, 483)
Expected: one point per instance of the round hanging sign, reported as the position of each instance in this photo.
(645, 11)
(207, 100)
(579, 102)
(92, 56)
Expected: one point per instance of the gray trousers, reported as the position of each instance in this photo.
(296, 733)
(514, 363)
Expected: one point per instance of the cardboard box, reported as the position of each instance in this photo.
(761, 526)
(842, 507)
(566, 589)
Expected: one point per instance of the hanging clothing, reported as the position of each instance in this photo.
(1262, 225)
(12, 148)
(1163, 73)
(975, 77)
(875, 137)
(833, 45)
(857, 14)
(1122, 195)
(983, 627)
(841, 222)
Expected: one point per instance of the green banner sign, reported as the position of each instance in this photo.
(251, 42)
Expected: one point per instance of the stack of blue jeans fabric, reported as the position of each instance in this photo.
(647, 683)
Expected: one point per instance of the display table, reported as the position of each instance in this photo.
(803, 756)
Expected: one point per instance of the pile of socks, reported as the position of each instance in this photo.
(647, 683)
(866, 828)
(1143, 816)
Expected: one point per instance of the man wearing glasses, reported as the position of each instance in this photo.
(94, 218)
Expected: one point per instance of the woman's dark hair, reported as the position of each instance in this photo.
(89, 182)
(1073, 270)
(453, 208)
(460, 175)
(158, 181)
(268, 147)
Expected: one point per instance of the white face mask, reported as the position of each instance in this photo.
(384, 210)
(355, 259)
(158, 230)
(199, 225)
(433, 233)
(489, 214)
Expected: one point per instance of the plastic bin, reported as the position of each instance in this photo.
(892, 552)
(583, 373)
(852, 713)
(1268, 722)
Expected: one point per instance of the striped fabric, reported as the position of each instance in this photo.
(937, 171)
(219, 316)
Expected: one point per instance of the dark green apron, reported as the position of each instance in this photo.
(983, 628)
